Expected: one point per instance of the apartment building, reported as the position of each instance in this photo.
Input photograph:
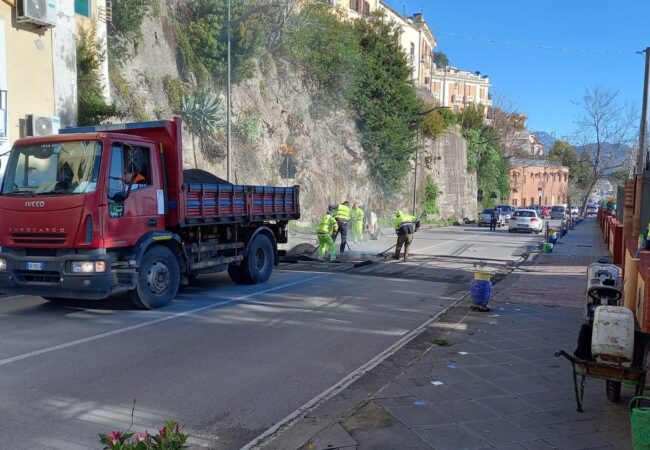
(538, 182)
(418, 43)
(354, 9)
(457, 89)
(38, 73)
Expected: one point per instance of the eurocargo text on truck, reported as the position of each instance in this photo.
(98, 210)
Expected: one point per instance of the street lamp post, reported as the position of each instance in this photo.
(228, 106)
(417, 157)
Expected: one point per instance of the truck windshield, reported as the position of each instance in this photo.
(53, 168)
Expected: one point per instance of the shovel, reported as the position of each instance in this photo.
(388, 249)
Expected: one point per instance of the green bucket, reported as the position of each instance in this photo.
(548, 247)
(640, 424)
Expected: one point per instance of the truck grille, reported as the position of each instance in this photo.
(39, 238)
(33, 276)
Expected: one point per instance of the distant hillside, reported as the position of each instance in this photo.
(545, 138)
(621, 157)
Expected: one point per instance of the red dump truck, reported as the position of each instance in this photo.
(98, 210)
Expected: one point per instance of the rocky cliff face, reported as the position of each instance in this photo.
(276, 108)
(446, 162)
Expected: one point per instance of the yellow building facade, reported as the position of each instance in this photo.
(26, 73)
(38, 73)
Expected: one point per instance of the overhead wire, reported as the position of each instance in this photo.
(538, 46)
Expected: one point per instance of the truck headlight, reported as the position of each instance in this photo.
(3, 264)
(83, 266)
(88, 266)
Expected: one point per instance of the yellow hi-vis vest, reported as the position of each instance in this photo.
(356, 214)
(327, 225)
(342, 212)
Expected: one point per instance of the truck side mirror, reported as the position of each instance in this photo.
(120, 197)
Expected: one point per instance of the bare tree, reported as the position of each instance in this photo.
(605, 130)
(510, 126)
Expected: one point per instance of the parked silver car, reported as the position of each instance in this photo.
(558, 212)
(485, 218)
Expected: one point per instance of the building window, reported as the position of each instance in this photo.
(532, 201)
(514, 201)
(565, 177)
(83, 7)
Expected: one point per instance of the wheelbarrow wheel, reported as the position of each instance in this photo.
(613, 389)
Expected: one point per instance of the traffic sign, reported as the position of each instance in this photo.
(288, 167)
(287, 150)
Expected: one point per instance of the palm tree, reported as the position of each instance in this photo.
(204, 114)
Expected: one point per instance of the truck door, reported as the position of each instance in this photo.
(135, 196)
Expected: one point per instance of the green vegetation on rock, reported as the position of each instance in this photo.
(361, 63)
(485, 155)
(430, 196)
(204, 44)
(92, 107)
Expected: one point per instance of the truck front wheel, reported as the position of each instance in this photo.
(236, 273)
(158, 279)
(257, 266)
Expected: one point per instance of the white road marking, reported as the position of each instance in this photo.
(446, 242)
(343, 383)
(152, 322)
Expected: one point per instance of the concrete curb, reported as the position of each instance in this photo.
(285, 424)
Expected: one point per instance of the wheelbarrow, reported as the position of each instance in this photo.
(601, 294)
(585, 365)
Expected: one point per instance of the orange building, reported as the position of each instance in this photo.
(538, 182)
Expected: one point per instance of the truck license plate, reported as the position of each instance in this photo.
(35, 266)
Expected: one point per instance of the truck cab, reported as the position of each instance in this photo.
(100, 210)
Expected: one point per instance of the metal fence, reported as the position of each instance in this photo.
(620, 202)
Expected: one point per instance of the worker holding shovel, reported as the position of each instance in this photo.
(405, 226)
(326, 228)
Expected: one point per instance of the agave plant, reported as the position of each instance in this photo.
(204, 113)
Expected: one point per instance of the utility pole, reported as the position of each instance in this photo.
(415, 179)
(228, 107)
(642, 164)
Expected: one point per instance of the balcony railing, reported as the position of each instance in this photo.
(3, 115)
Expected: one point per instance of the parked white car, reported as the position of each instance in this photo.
(525, 220)
(575, 211)
(507, 210)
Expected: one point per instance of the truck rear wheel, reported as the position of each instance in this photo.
(257, 266)
(158, 279)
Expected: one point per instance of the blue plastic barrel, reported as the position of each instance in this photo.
(481, 292)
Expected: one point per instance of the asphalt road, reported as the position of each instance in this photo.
(227, 361)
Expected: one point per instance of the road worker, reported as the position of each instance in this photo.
(405, 226)
(356, 222)
(326, 228)
(342, 216)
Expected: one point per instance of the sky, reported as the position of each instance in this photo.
(544, 84)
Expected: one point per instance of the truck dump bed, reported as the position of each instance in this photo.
(222, 203)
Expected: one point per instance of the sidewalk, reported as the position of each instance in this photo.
(496, 384)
